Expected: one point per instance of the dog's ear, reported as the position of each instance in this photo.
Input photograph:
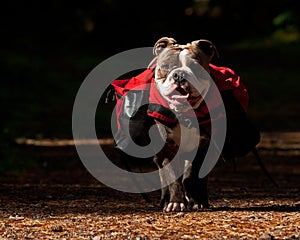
(208, 48)
(162, 43)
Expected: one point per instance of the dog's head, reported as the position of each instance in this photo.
(179, 68)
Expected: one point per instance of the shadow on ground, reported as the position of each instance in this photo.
(60, 184)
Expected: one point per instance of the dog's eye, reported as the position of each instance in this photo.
(162, 73)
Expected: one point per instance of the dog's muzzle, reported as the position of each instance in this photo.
(181, 82)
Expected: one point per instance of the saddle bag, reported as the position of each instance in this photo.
(133, 121)
(241, 135)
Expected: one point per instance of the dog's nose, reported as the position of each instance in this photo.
(179, 78)
(181, 82)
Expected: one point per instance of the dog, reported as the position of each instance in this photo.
(177, 66)
(180, 79)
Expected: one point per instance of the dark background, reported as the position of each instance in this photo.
(49, 47)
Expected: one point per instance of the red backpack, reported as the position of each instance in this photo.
(241, 137)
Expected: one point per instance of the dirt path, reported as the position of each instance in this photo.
(69, 203)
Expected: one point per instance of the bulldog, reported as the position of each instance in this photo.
(178, 71)
(179, 79)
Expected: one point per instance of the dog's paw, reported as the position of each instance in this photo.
(174, 207)
(196, 205)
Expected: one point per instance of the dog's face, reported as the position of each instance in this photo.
(179, 70)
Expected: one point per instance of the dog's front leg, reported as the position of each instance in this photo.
(195, 187)
(172, 194)
(177, 199)
(196, 193)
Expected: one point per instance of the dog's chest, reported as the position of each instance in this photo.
(179, 136)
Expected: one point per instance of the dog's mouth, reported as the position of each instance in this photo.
(177, 97)
(180, 99)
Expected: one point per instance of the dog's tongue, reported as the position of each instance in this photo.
(180, 98)
(177, 100)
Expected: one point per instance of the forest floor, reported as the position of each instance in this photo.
(49, 202)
